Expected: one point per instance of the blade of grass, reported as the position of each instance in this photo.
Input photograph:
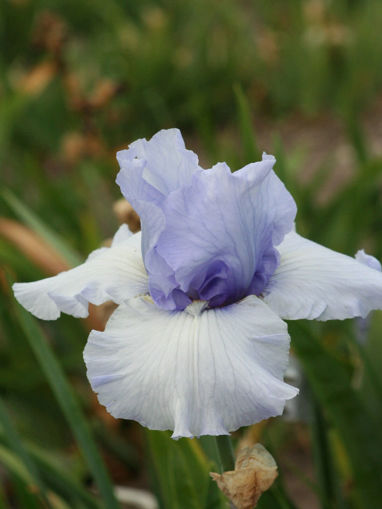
(21, 494)
(15, 443)
(68, 404)
(14, 464)
(248, 137)
(59, 481)
(23, 482)
(55, 478)
(322, 456)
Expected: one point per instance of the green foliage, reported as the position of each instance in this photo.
(68, 404)
(180, 469)
(331, 382)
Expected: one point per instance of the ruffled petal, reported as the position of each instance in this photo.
(163, 162)
(197, 372)
(206, 234)
(116, 273)
(150, 170)
(368, 260)
(317, 283)
(219, 234)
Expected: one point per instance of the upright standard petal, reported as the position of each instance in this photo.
(317, 283)
(116, 273)
(150, 170)
(207, 234)
(221, 230)
(163, 162)
(197, 372)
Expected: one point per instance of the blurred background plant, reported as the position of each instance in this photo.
(79, 80)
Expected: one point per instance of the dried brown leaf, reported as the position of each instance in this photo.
(46, 258)
(37, 79)
(34, 247)
(255, 471)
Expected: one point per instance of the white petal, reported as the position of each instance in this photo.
(368, 260)
(116, 273)
(197, 372)
(122, 235)
(317, 283)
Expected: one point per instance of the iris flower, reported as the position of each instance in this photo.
(197, 343)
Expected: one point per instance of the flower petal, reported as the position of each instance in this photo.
(197, 372)
(164, 163)
(368, 260)
(219, 234)
(150, 170)
(317, 283)
(206, 234)
(116, 273)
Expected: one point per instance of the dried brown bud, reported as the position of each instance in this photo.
(255, 471)
(126, 214)
(37, 79)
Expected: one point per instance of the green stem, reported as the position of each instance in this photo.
(227, 458)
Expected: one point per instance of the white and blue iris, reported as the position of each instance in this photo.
(197, 344)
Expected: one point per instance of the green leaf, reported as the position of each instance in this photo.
(68, 404)
(330, 381)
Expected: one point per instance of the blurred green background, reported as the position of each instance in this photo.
(78, 81)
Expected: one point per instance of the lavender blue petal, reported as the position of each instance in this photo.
(206, 234)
